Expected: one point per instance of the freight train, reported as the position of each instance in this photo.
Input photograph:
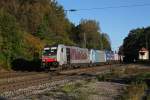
(71, 56)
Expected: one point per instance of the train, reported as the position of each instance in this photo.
(72, 56)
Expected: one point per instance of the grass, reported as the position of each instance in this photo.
(81, 91)
(136, 86)
(134, 91)
(74, 91)
(100, 77)
(68, 88)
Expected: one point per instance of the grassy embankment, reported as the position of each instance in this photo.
(137, 80)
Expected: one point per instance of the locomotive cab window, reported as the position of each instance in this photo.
(50, 52)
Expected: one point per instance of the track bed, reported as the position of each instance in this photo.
(28, 83)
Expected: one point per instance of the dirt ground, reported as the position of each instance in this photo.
(89, 85)
(83, 90)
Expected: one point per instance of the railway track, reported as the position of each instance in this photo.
(15, 74)
(8, 89)
(11, 80)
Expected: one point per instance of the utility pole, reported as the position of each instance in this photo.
(146, 38)
(101, 40)
(84, 36)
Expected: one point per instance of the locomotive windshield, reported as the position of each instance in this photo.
(50, 51)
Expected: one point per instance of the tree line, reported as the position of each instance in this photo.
(26, 26)
(136, 39)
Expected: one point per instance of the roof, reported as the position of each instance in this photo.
(143, 49)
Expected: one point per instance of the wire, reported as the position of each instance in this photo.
(128, 1)
(111, 7)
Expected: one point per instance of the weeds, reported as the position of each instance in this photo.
(49, 94)
(74, 91)
(101, 77)
(135, 78)
(68, 88)
(134, 91)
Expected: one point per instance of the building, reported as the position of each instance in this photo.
(143, 54)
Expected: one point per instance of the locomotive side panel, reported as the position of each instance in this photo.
(79, 55)
(61, 55)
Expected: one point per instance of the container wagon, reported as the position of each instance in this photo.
(109, 56)
(97, 57)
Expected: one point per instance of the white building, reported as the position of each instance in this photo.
(143, 54)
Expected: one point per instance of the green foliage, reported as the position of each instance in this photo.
(27, 25)
(13, 43)
(106, 44)
(135, 40)
(68, 88)
(87, 34)
(11, 37)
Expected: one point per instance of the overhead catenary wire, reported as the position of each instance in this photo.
(109, 7)
(127, 1)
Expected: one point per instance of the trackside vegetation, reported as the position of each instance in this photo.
(136, 39)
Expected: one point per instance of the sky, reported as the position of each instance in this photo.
(116, 22)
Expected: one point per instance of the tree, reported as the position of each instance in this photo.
(11, 37)
(106, 44)
(135, 40)
(87, 34)
(27, 25)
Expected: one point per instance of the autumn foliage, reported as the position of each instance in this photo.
(27, 25)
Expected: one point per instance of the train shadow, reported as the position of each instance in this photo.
(145, 63)
(1, 98)
(87, 75)
(26, 65)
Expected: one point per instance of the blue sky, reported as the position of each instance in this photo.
(115, 22)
